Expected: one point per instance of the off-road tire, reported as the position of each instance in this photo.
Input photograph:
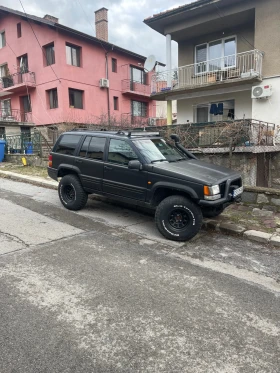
(178, 218)
(71, 193)
(212, 212)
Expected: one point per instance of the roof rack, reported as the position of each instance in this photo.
(142, 133)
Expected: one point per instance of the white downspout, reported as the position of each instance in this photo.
(169, 77)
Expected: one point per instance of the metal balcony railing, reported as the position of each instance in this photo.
(240, 66)
(13, 115)
(18, 79)
(139, 88)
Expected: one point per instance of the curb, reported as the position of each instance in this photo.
(34, 180)
(238, 230)
(226, 227)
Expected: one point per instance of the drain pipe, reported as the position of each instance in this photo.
(108, 89)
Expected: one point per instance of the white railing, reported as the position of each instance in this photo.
(241, 66)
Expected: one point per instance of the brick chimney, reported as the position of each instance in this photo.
(101, 24)
(51, 18)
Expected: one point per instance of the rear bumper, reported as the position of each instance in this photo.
(52, 172)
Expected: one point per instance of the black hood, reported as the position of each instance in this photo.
(195, 170)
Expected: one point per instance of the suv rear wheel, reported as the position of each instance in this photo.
(71, 193)
(178, 218)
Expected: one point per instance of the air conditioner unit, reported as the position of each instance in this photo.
(104, 83)
(152, 121)
(262, 91)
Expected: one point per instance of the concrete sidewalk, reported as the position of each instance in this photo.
(248, 221)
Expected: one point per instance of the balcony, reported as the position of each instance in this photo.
(9, 115)
(17, 82)
(223, 72)
(136, 89)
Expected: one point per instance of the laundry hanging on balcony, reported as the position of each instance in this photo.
(217, 109)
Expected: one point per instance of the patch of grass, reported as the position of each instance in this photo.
(26, 170)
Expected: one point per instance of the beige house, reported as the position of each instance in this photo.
(229, 60)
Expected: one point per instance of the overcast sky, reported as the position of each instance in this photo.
(126, 27)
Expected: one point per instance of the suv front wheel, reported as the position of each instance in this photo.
(71, 193)
(178, 218)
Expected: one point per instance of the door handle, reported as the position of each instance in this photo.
(108, 168)
(78, 161)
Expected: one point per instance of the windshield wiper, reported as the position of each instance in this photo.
(159, 160)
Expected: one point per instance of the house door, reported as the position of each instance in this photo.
(25, 107)
(202, 114)
(5, 108)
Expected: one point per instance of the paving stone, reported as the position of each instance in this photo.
(263, 213)
(275, 240)
(258, 236)
(231, 228)
(262, 198)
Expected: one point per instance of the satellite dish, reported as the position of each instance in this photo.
(150, 63)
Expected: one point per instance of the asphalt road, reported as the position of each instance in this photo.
(101, 291)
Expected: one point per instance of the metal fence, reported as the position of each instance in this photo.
(23, 144)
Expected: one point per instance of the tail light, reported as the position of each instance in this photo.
(50, 160)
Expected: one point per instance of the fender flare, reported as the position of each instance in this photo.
(173, 186)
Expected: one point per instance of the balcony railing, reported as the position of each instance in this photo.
(17, 79)
(129, 86)
(237, 67)
(13, 115)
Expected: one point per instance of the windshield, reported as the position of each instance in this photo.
(157, 150)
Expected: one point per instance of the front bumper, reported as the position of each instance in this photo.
(229, 195)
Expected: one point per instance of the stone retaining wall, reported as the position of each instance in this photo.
(262, 198)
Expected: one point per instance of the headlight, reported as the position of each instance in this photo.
(212, 192)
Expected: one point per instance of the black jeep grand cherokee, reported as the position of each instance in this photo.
(143, 169)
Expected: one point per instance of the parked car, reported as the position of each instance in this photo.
(141, 168)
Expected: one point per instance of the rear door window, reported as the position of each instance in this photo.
(93, 147)
(68, 144)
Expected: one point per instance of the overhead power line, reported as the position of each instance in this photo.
(221, 15)
(79, 3)
(38, 39)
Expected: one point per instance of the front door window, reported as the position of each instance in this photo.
(120, 152)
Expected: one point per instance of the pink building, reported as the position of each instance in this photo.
(51, 74)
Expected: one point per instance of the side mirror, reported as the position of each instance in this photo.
(135, 165)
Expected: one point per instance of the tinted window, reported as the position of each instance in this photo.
(93, 147)
(84, 148)
(120, 152)
(96, 148)
(68, 144)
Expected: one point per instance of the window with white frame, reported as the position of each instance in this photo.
(2, 39)
(73, 55)
(215, 55)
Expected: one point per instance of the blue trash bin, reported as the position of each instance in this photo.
(28, 148)
(2, 149)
